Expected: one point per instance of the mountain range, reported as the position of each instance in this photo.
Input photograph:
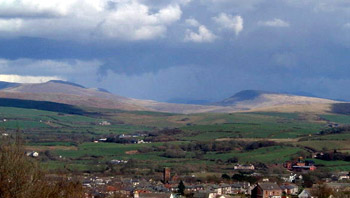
(77, 95)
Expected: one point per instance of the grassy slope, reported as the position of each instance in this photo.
(253, 125)
(197, 127)
(266, 155)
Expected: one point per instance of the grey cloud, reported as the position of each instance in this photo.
(312, 51)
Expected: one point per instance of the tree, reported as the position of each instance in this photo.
(322, 191)
(232, 160)
(181, 188)
(21, 177)
(225, 176)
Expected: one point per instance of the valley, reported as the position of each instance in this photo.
(90, 133)
(65, 141)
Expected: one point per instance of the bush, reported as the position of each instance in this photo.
(232, 160)
(178, 153)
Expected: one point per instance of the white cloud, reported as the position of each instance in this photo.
(10, 25)
(274, 23)
(86, 19)
(73, 70)
(192, 22)
(27, 79)
(37, 8)
(233, 23)
(347, 25)
(203, 35)
(133, 21)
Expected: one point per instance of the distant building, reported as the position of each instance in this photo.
(125, 136)
(343, 176)
(305, 194)
(244, 167)
(142, 142)
(300, 166)
(166, 175)
(115, 161)
(241, 188)
(104, 123)
(32, 154)
(290, 189)
(267, 190)
(292, 178)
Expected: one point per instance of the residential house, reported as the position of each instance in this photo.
(290, 189)
(267, 190)
(305, 194)
(241, 188)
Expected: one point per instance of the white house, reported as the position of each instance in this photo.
(305, 194)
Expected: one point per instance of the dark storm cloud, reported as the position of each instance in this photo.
(156, 53)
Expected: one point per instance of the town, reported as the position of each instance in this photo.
(245, 182)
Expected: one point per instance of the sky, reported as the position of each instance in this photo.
(180, 49)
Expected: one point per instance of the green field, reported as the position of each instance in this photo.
(252, 125)
(70, 136)
(341, 119)
(326, 145)
(265, 155)
(104, 149)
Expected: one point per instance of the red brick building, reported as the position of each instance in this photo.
(166, 175)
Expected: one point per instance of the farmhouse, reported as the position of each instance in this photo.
(300, 166)
(244, 167)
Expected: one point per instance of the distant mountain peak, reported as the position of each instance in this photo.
(66, 83)
(257, 98)
(249, 94)
(4, 85)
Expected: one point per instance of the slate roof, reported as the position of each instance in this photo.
(289, 186)
(269, 186)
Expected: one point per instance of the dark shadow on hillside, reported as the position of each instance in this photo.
(341, 108)
(41, 105)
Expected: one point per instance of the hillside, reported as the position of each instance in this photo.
(73, 94)
(254, 99)
(68, 93)
(77, 95)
